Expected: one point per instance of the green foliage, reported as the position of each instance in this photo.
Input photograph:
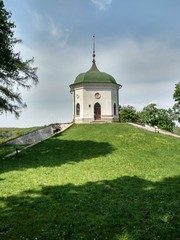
(166, 119)
(14, 72)
(176, 94)
(150, 115)
(176, 97)
(161, 118)
(105, 181)
(129, 114)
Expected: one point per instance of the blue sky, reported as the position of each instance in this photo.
(137, 42)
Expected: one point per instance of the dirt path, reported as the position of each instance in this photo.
(157, 130)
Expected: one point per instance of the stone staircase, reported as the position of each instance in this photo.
(37, 136)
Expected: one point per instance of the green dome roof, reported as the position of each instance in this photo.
(94, 76)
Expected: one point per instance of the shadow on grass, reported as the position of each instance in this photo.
(55, 152)
(124, 208)
(4, 150)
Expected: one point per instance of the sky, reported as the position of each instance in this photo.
(137, 42)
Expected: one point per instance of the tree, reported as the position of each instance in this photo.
(166, 119)
(128, 114)
(176, 94)
(176, 97)
(161, 118)
(149, 114)
(15, 73)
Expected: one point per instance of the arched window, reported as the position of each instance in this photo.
(114, 109)
(77, 109)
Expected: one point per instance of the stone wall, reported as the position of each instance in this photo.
(33, 137)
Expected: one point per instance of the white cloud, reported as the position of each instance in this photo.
(147, 69)
(102, 4)
(140, 61)
(55, 32)
(51, 100)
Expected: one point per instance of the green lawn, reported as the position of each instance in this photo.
(93, 182)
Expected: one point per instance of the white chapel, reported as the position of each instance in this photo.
(95, 96)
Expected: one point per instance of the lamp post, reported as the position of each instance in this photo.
(155, 128)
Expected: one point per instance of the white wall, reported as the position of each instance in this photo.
(85, 95)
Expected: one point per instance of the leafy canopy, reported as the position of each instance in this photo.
(176, 97)
(128, 114)
(15, 73)
(150, 115)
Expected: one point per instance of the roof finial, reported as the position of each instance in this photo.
(94, 49)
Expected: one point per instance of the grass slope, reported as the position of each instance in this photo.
(9, 133)
(105, 181)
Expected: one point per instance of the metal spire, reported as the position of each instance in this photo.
(94, 49)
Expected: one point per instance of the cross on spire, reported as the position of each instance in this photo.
(94, 55)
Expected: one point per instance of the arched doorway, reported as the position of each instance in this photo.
(97, 111)
(114, 109)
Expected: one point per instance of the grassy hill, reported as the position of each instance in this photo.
(96, 181)
(9, 133)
